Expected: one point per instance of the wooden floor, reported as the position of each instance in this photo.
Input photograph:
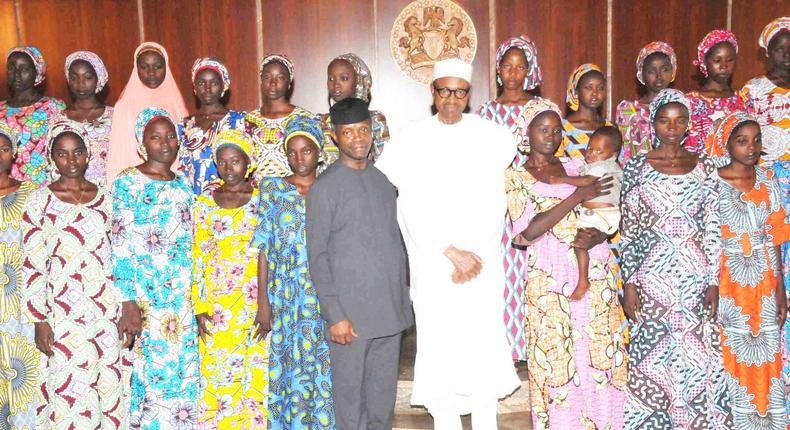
(513, 412)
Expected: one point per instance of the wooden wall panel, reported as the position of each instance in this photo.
(680, 23)
(189, 29)
(8, 39)
(59, 27)
(748, 19)
(566, 36)
(311, 34)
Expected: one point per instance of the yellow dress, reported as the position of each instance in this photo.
(225, 285)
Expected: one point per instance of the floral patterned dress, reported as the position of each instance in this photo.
(68, 281)
(152, 265)
(31, 124)
(19, 359)
(753, 224)
(98, 132)
(300, 378)
(633, 120)
(671, 251)
(781, 170)
(196, 159)
(704, 112)
(225, 285)
(575, 349)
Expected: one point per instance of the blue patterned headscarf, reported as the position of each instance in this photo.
(145, 117)
(304, 125)
(666, 96)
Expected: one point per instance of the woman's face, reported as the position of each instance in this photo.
(232, 164)
(208, 87)
(657, 71)
(671, 123)
(6, 154)
(779, 51)
(151, 69)
(340, 80)
(82, 80)
(275, 81)
(720, 62)
(70, 156)
(513, 69)
(745, 144)
(21, 72)
(302, 155)
(545, 133)
(592, 90)
(161, 141)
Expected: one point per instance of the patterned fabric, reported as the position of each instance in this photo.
(147, 116)
(225, 285)
(307, 126)
(281, 59)
(704, 113)
(19, 359)
(98, 67)
(38, 61)
(363, 79)
(753, 224)
(152, 265)
(574, 140)
(381, 135)
(571, 93)
(633, 120)
(773, 29)
(709, 41)
(68, 281)
(534, 74)
(239, 140)
(664, 97)
(97, 139)
(300, 380)
(196, 156)
(531, 110)
(31, 124)
(215, 65)
(671, 251)
(651, 48)
(720, 132)
(268, 135)
(58, 127)
(770, 104)
(781, 170)
(575, 349)
(10, 134)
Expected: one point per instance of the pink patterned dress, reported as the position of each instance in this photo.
(575, 350)
(633, 120)
(704, 112)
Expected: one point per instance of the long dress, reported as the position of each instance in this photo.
(781, 170)
(753, 224)
(196, 159)
(152, 265)
(225, 285)
(31, 124)
(770, 104)
(19, 390)
(68, 280)
(575, 349)
(704, 112)
(633, 120)
(671, 251)
(514, 259)
(98, 132)
(300, 377)
(268, 135)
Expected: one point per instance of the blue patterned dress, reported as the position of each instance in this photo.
(300, 387)
(782, 172)
(152, 265)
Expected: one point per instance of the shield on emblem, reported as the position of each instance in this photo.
(433, 43)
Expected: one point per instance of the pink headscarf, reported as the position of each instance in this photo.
(134, 98)
(709, 41)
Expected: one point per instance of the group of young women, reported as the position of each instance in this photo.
(155, 271)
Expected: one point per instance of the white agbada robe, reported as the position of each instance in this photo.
(450, 181)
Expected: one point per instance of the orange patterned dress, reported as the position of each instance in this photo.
(753, 225)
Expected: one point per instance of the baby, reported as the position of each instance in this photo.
(601, 213)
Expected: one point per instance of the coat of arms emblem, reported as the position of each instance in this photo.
(427, 31)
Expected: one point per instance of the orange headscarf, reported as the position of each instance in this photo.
(719, 135)
(134, 98)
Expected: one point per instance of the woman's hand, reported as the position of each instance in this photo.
(131, 323)
(202, 320)
(595, 189)
(632, 306)
(45, 338)
(711, 301)
(263, 322)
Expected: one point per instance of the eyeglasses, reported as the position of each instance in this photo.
(445, 92)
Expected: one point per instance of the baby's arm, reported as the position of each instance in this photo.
(576, 181)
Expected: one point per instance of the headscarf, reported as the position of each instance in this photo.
(666, 96)
(571, 95)
(304, 125)
(534, 76)
(94, 61)
(773, 29)
(147, 116)
(7, 131)
(364, 81)
(215, 65)
(239, 140)
(651, 48)
(282, 59)
(716, 142)
(134, 98)
(532, 109)
(38, 61)
(709, 41)
(66, 126)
